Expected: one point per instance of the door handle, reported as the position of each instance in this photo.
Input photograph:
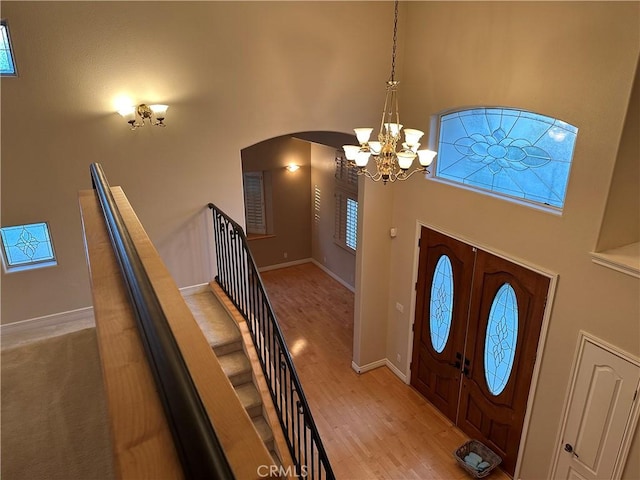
(569, 448)
(456, 364)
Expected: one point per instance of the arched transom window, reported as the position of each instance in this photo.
(510, 152)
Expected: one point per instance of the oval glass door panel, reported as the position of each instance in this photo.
(441, 304)
(500, 341)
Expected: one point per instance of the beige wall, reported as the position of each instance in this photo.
(233, 74)
(620, 225)
(324, 249)
(289, 200)
(239, 72)
(574, 61)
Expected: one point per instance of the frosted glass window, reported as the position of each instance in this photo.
(352, 224)
(510, 152)
(27, 246)
(441, 304)
(501, 339)
(7, 65)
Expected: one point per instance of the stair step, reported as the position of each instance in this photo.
(225, 338)
(236, 367)
(220, 330)
(276, 458)
(264, 430)
(250, 399)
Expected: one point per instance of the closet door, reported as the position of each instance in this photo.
(505, 317)
(442, 304)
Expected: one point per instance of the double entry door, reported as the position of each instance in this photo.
(478, 320)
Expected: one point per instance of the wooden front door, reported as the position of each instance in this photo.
(477, 368)
(506, 310)
(436, 374)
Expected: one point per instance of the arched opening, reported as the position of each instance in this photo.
(301, 203)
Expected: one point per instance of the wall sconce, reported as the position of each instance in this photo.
(292, 167)
(143, 112)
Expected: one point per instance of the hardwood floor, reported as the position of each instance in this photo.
(373, 426)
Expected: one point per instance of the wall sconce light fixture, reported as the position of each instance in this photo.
(154, 113)
(292, 167)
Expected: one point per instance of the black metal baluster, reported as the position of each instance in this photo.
(286, 393)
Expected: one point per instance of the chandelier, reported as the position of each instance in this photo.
(392, 163)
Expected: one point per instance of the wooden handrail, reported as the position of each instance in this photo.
(141, 431)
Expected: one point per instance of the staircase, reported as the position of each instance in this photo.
(224, 336)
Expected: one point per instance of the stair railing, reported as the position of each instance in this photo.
(196, 442)
(239, 278)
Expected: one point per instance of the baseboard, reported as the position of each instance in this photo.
(333, 275)
(284, 265)
(61, 323)
(369, 366)
(47, 326)
(396, 371)
(195, 289)
(385, 362)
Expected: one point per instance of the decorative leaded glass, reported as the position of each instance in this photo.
(441, 305)
(501, 338)
(7, 65)
(511, 152)
(26, 246)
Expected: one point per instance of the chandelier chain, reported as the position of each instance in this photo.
(395, 38)
(391, 163)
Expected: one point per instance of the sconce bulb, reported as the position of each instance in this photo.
(128, 113)
(160, 111)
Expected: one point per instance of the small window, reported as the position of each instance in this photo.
(346, 194)
(352, 224)
(346, 233)
(346, 173)
(27, 246)
(510, 152)
(254, 204)
(7, 64)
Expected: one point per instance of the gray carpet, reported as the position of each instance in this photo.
(54, 422)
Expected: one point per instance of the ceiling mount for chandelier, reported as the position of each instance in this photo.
(392, 163)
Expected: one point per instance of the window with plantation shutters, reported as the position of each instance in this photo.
(346, 174)
(254, 203)
(346, 214)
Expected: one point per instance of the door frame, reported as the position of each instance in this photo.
(553, 281)
(584, 338)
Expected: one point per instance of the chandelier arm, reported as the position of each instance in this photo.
(403, 175)
(381, 136)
